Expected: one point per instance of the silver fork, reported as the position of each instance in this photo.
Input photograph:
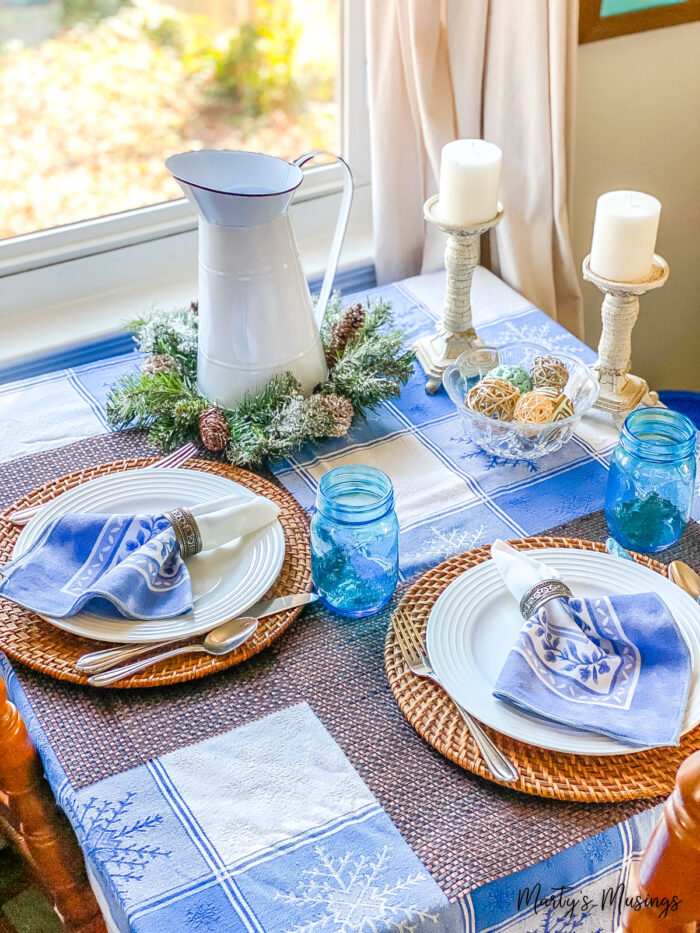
(175, 459)
(413, 649)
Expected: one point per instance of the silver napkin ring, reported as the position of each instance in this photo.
(186, 531)
(542, 593)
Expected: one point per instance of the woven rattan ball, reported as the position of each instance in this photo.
(563, 406)
(518, 376)
(548, 371)
(495, 398)
(533, 408)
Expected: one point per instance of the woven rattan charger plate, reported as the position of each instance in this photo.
(26, 637)
(542, 772)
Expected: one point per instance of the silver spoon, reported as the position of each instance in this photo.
(221, 640)
(94, 662)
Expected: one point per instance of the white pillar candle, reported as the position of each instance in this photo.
(469, 174)
(624, 235)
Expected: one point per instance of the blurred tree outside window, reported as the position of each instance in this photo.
(97, 93)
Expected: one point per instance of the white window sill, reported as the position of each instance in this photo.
(34, 323)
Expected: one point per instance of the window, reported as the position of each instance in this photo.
(92, 109)
(97, 93)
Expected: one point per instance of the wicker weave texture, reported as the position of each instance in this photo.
(542, 772)
(26, 637)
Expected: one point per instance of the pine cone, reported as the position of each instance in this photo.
(344, 333)
(214, 429)
(160, 363)
(342, 412)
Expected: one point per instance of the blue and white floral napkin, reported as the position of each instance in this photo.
(123, 565)
(615, 665)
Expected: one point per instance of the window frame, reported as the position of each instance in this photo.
(44, 274)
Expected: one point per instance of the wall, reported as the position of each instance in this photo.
(638, 126)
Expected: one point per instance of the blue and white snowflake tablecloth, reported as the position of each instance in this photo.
(267, 827)
(450, 495)
(286, 838)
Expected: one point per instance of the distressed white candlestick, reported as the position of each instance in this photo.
(620, 391)
(455, 332)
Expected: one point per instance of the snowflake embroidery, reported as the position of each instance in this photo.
(203, 916)
(491, 461)
(439, 544)
(114, 843)
(352, 896)
(597, 846)
(545, 334)
(498, 897)
(568, 923)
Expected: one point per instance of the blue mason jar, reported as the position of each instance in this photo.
(355, 540)
(651, 481)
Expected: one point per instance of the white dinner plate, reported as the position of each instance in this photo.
(475, 622)
(225, 581)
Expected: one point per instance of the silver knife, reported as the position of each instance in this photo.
(268, 607)
(96, 661)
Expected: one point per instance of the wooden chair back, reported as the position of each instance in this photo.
(43, 829)
(667, 879)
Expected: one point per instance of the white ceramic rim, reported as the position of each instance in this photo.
(236, 194)
(256, 567)
(455, 613)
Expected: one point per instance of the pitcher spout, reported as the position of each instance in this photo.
(235, 189)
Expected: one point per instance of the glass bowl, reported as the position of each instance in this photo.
(510, 439)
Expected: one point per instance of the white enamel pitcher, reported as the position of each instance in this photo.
(256, 316)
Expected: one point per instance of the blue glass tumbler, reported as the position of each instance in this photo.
(652, 479)
(355, 540)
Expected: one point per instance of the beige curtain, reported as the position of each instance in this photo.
(503, 70)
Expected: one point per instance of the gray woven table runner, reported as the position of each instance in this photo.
(465, 830)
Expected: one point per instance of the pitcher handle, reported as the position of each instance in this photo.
(338, 236)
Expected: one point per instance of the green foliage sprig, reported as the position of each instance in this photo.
(272, 423)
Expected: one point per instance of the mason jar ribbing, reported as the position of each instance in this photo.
(355, 540)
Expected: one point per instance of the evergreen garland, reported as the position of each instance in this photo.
(366, 367)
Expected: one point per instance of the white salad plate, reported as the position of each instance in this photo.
(225, 581)
(475, 622)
